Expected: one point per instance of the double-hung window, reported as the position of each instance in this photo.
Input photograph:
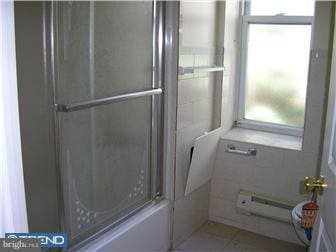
(275, 40)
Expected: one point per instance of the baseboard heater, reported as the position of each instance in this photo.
(266, 206)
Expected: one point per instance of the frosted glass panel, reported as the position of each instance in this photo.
(106, 154)
(277, 72)
(285, 7)
(106, 48)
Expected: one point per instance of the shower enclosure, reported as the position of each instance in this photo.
(107, 93)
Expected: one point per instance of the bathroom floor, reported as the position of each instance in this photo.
(215, 237)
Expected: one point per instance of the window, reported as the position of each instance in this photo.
(274, 64)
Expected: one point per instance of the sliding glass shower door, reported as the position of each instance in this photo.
(107, 102)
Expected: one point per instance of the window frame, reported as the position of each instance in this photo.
(246, 20)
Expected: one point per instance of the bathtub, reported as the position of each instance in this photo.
(148, 230)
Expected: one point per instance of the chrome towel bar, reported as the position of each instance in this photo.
(200, 69)
(232, 149)
(106, 100)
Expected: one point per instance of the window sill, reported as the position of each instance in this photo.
(264, 138)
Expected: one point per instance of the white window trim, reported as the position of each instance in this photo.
(270, 127)
(259, 125)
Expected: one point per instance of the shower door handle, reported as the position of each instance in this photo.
(106, 100)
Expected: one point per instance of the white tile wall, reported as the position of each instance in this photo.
(194, 117)
(190, 213)
(198, 23)
(274, 171)
(194, 111)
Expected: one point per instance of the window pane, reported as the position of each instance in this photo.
(285, 7)
(277, 72)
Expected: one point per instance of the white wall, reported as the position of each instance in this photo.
(196, 102)
(275, 171)
(13, 213)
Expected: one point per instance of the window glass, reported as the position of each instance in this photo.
(277, 72)
(285, 7)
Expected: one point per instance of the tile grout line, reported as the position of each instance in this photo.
(232, 239)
